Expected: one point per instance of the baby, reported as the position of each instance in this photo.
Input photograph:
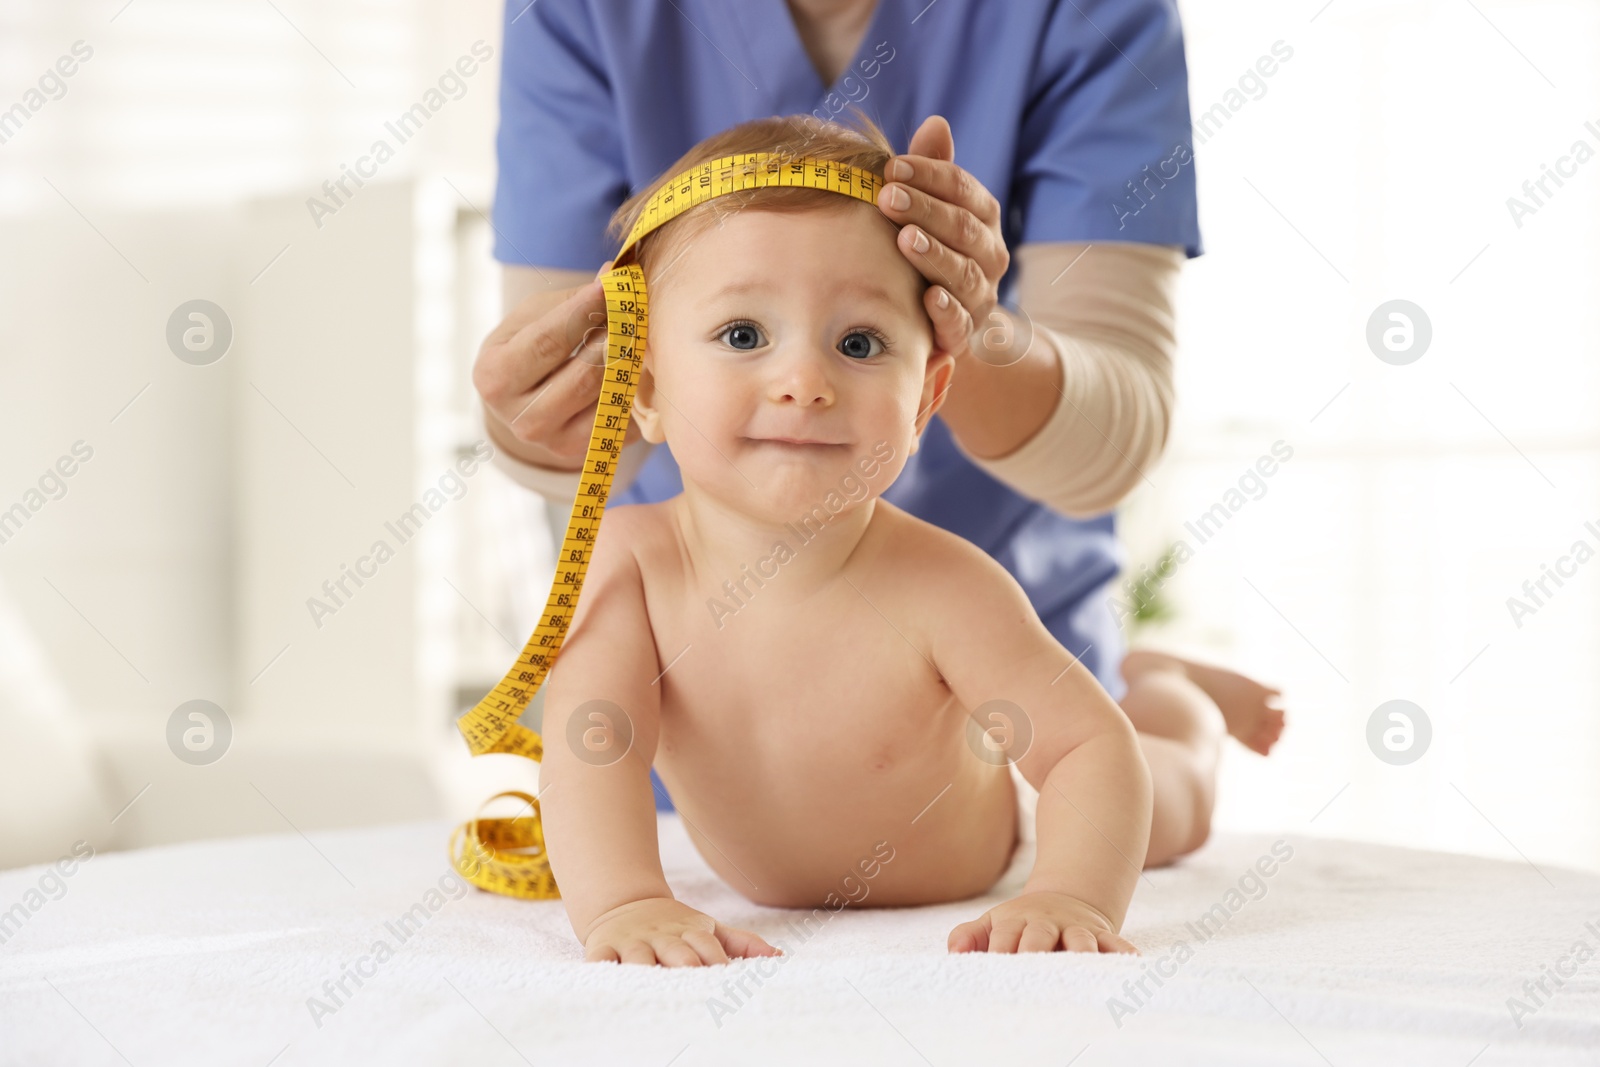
(829, 686)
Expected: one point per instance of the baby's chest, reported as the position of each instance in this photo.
(832, 668)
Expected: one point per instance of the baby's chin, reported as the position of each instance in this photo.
(780, 483)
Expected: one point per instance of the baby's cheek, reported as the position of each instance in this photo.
(881, 462)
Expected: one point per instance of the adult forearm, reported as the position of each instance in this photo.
(1098, 367)
(1000, 398)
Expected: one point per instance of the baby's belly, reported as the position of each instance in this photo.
(808, 800)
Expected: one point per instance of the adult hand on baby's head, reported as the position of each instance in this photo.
(1040, 922)
(662, 930)
(956, 223)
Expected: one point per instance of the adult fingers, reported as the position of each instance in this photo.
(969, 224)
(953, 325)
(945, 181)
(962, 256)
(534, 305)
(933, 139)
(512, 368)
(559, 415)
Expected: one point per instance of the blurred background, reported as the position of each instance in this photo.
(216, 400)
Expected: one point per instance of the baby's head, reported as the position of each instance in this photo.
(784, 313)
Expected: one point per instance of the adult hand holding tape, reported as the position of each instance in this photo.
(539, 374)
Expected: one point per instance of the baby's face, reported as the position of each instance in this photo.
(783, 349)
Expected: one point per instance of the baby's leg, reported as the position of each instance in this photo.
(1180, 730)
(1181, 710)
(1247, 706)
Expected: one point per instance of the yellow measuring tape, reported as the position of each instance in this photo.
(507, 855)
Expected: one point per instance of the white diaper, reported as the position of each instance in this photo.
(1027, 806)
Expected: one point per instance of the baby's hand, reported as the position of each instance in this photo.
(661, 930)
(1039, 922)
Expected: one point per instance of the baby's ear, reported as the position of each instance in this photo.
(645, 412)
(935, 387)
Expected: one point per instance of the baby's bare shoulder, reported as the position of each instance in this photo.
(982, 631)
(638, 546)
(938, 561)
(643, 531)
(623, 544)
(636, 526)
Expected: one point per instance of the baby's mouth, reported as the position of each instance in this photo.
(796, 444)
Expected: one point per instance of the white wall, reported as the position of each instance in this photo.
(1419, 497)
(1376, 165)
(176, 165)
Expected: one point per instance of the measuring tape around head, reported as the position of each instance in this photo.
(507, 855)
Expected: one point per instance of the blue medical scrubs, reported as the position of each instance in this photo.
(1071, 112)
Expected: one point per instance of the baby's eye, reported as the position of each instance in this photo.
(744, 336)
(858, 344)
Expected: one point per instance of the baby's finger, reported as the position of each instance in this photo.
(743, 943)
(1110, 942)
(675, 952)
(1040, 936)
(601, 954)
(706, 943)
(1005, 934)
(1079, 939)
(637, 952)
(969, 937)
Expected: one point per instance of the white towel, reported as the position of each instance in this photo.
(217, 953)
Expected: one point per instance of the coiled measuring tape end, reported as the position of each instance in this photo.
(505, 855)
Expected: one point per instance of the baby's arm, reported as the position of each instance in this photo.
(1071, 741)
(601, 723)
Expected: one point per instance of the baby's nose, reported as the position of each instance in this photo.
(802, 378)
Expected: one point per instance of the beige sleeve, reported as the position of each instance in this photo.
(562, 486)
(1106, 309)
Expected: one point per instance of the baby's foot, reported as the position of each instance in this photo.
(1248, 707)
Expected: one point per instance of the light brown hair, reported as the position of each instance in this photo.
(859, 142)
